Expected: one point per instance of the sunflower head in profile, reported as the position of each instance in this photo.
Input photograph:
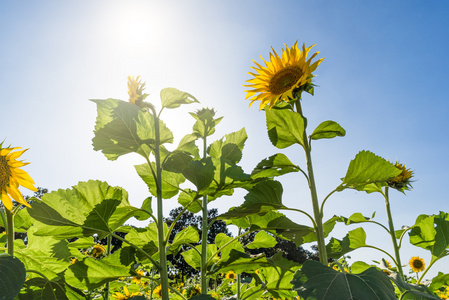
(417, 264)
(11, 176)
(283, 77)
(403, 181)
(135, 91)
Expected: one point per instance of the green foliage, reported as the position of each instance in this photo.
(262, 240)
(327, 130)
(173, 98)
(12, 276)
(316, 281)
(275, 165)
(354, 239)
(285, 127)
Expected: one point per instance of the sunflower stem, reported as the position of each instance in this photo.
(392, 234)
(108, 252)
(160, 215)
(205, 227)
(10, 231)
(318, 215)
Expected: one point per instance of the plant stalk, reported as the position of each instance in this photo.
(10, 231)
(392, 234)
(204, 226)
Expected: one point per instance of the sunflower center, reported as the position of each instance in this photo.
(5, 173)
(285, 79)
(418, 264)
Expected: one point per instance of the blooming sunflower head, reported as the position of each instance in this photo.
(137, 279)
(283, 77)
(158, 291)
(11, 176)
(231, 275)
(97, 251)
(403, 180)
(135, 91)
(417, 264)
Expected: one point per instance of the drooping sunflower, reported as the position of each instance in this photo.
(417, 264)
(11, 177)
(135, 91)
(282, 76)
(403, 180)
(231, 275)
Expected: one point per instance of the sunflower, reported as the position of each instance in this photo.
(193, 291)
(97, 251)
(417, 264)
(402, 181)
(125, 296)
(282, 76)
(135, 89)
(158, 291)
(138, 279)
(11, 177)
(231, 275)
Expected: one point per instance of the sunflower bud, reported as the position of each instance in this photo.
(403, 180)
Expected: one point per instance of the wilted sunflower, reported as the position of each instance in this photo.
(231, 275)
(417, 264)
(402, 181)
(11, 177)
(135, 89)
(282, 76)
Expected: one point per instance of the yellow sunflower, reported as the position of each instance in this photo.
(97, 251)
(11, 177)
(194, 290)
(417, 264)
(158, 291)
(135, 89)
(125, 296)
(231, 275)
(282, 76)
(138, 279)
(402, 181)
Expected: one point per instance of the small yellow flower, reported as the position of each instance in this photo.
(11, 177)
(402, 181)
(196, 290)
(125, 296)
(231, 275)
(257, 271)
(158, 291)
(73, 260)
(138, 279)
(282, 76)
(97, 251)
(417, 264)
(135, 89)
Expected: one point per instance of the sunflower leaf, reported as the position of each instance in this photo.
(367, 168)
(262, 240)
(274, 165)
(12, 276)
(327, 130)
(173, 98)
(317, 281)
(285, 127)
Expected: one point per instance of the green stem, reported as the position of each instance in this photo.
(160, 214)
(108, 252)
(318, 215)
(204, 227)
(392, 234)
(10, 231)
(426, 270)
(238, 287)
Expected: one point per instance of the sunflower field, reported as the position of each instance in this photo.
(62, 258)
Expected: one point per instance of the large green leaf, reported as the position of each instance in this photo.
(354, 239)
(46, 290)
(145, 238)
(205, 123)
(190, 199)
(88, 208)
(263, 197)
(367, 168)
(122, 128)
(432, 233)
(12, 276)
(262, 240)
(327, 130)
(173, 98)
(187, 235)
(90, 273)
(317, 281)
(170, 180)
(193, 258)
(229, 147)
(274, 165)
(285, 127)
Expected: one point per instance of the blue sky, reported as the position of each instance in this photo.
(384, 79)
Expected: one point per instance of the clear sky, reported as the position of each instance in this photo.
(384, 79)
